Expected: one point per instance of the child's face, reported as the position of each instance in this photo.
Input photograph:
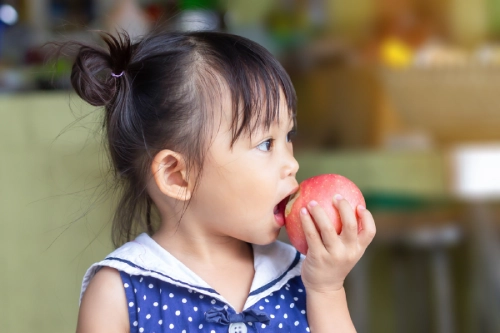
(240, 188)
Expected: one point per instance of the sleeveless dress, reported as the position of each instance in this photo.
(163, 295)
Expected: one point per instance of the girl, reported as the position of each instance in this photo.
(199, 129)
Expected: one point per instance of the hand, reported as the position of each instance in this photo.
(331, 256)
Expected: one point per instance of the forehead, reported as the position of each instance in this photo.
(230, 122)
(240, 116)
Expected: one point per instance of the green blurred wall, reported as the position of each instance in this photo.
(46, 184)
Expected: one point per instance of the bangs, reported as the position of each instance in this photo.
(255, 79)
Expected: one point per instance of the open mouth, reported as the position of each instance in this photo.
(279, 209)
(279, 212)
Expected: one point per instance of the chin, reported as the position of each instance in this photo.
(267, 239)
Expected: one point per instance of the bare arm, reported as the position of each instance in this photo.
(329, 259)
(104, 305)
(328, 312)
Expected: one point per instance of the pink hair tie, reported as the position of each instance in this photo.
(117, 75)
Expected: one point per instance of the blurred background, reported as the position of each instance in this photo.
(400, 96)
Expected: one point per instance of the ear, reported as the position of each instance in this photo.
(170, 175)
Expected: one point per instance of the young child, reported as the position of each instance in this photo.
(199, 129)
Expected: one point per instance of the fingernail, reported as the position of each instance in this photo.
(303, 211)
(313, 203)
(361, 207)
(338, 197)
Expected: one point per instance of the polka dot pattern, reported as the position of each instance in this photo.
(178, 309)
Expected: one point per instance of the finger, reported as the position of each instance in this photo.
(312, 235)
(348, 217)
(324, 224)
(367, 226)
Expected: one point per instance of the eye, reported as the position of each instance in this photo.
(266, 145)
(291, 135)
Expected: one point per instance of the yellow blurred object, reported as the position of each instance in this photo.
(395, 53)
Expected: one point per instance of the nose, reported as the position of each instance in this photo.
(291, 166)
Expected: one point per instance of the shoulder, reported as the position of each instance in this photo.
(121, 259)
(103, 306)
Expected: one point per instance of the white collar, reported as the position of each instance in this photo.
(274, 265)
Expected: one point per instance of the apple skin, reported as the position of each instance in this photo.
(320, 188)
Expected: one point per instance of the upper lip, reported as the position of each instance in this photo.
(294, 190)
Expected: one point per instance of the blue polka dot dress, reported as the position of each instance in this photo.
(163, 295)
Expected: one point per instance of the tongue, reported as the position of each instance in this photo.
(280, 208)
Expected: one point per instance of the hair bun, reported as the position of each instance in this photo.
(92, 73)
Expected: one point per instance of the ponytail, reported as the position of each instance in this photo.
(100, 77)
(92, 73)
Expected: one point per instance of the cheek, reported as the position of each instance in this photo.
(238, 187)
(218, 190)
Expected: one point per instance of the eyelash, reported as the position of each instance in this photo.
(270, 141)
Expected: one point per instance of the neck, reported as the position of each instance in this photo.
(224, 263)
(190, 243)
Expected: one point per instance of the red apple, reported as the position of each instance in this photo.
(320, 188)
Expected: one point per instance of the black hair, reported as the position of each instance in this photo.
(159, 93)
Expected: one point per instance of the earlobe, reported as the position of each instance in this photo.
(170, 175)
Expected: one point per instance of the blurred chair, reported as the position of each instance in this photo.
(419, 276)
(431, 244)
(476, 180)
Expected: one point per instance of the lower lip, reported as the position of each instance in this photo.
(280, 219)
